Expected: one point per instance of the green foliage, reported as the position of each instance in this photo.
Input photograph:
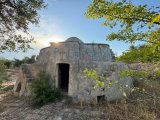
(4, 89)
(143, 53)
(3, 73)
(158, 74)
(15, 17)
(137, 76)
(128, 16)
(133, 73)
(5, 62)
(2, 65)
(8, 63)
(28, 60)
(101, 79)
(17, 62)
(140, 76)
(43, 91)
(94, 75)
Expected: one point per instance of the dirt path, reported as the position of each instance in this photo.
(14, 108)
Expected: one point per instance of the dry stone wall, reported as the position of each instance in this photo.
(86, 89)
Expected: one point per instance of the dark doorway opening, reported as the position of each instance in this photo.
(18, 89)
(100, 99)
(63, 76)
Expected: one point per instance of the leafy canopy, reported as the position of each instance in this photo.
(128, 16)
(15, 16)
(25, 60)
(142, 53)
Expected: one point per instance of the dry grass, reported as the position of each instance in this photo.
(141, 105)
(2, 108)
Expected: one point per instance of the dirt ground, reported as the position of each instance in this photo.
(18, 108)
(139, 106)
(15, 108)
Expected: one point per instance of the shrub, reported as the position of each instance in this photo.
(3, 73)
(142, 53)
(6, 88)
(43, 91)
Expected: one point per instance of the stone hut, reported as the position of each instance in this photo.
(66, 61)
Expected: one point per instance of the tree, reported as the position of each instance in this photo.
(15, 16)
(29, 60)
(3, 73)
(142, 53)
(128, 16)
(17, 62)
(25, 60)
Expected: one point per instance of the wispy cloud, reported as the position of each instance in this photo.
(47, 31)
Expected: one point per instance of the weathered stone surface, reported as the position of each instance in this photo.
(87, 92)
(80, 56)
(26, 74)
(74, 56)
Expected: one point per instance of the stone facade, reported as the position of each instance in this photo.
(26, 74)
(65, 62)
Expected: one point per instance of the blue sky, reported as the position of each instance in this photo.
(65, 18)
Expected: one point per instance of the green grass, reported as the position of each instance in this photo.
(6, 88)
